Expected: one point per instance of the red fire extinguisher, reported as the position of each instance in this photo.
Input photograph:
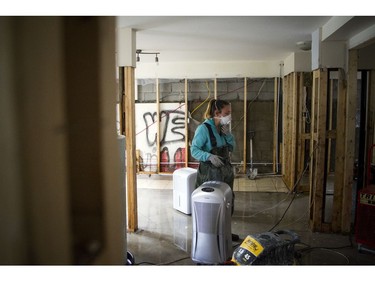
(164, 160)
(179, 158)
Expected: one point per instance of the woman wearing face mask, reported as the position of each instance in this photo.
(212, 144)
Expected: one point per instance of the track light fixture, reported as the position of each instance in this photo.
(140, 52)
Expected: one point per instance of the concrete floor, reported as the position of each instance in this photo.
(164, 233)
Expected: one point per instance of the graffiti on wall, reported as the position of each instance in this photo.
(171, 136)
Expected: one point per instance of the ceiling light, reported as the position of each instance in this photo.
(304, 45)
(140, 52)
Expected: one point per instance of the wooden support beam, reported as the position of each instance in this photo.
(321, 150)
(158, 118)
(131, 170)
(300, 153)
(330, 116)
(275, 124)
(339, 154)
(245, 125)
(122, 100)
(371, 113)
(293, 129)
(186, 126)
(290, 125)
(312, 149)
(317, 165)
(285, 128)
(351, 108)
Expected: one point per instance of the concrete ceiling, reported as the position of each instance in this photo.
(231, 38)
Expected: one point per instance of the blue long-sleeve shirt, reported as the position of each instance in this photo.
(201, 144)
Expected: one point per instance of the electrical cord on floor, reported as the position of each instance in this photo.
(299, 253)
(294, 188)
(291, 201)
(309, 248)
(167, 263)
(298, 257)
(266, 209)
(286, 210)
(145, 263)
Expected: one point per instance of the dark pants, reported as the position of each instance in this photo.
(208, 172)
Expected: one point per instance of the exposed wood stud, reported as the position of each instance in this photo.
(339, 154)
(158, 117)
(186, 126)
(318, 147)
(131, 170)
(351, 107)
(245, 126)
(275, 125)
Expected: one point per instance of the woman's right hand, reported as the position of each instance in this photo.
(216, 160)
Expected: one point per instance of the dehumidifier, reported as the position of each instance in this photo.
(211, 220)
(183, 186)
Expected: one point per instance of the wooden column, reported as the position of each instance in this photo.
(275, 124)
(317, 147)
(293, 126)
(158, 117)
(245, 125)
(371, 114)
(131, 170)
(351, 109)
(287, 132)
(291, 113)
(330, 116)
(301, 121)
(186, 126)
(340, 154)
(285, 124)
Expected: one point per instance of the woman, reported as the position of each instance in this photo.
(212, 144)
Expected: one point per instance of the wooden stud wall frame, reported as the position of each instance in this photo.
(326, 137)
(244, 159)
(300, 145)
(335, 216)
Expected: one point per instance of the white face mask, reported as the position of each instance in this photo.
(225, 119)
